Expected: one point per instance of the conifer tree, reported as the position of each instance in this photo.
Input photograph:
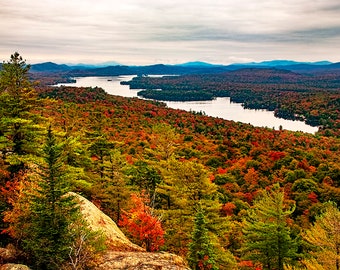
(111, 190)
(324, 236)
(52, 211)
(201, 250)
(267, 234)
(18, 129)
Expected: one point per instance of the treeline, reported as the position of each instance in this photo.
(224, 195)
(168, 95)
(313, 98)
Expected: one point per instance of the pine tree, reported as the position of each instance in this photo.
(111, 190)
(15, 87)
(201, 251)
(18, 126)
(267, 235)
(47, 237)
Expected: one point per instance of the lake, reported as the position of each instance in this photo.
(220, 107)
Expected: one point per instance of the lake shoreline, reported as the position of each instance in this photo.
(220, 107)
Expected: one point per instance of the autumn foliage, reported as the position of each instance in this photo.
(119, 146)
(142, 224)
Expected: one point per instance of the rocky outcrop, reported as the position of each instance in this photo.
(98, 221)
(122, 253)
(141, 260)
(8, 254)
(13, 266)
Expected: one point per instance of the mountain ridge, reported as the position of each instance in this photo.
(195, 67)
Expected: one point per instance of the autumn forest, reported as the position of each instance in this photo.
(221, 194)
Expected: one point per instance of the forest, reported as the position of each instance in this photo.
(221, 194)
(313, 98)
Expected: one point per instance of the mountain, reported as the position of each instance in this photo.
(196, 67)
(281, 63)
(197, 64)
(99, 65)
(49, 67)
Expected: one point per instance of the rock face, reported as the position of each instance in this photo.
(98, 221)
(13, 266)
(122, 253)
(7, 255)
(141, 260)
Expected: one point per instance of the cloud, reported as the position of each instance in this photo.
(144, 31)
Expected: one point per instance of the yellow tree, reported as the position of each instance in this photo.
(163, 141)
(324, 235)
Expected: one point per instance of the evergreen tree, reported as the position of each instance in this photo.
(201, 251)
(15, 87)
(144, 176)
(111, 190)
(267, 235)
(185, 185)
(47, 237)
(18, 129)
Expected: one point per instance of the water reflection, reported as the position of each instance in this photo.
(220, 107)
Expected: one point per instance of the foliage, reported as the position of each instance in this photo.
(201, 253)
(113, 146)
(52, 211)
(143, 225)
(324, 236)
(267, 234)
(19, 129)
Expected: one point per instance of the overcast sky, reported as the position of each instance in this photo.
(141, 32)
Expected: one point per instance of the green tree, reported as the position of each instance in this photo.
(267, 235)
(111, 190)
(144, 176)
(100, 150)
(47, 238)
(201, 250)
(186, 185)
(15, 87)
(18, 129)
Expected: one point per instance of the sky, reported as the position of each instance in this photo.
(145, 32)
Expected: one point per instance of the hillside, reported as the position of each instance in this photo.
(215, 192)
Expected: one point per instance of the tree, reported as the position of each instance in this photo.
(111, 190)
(163, 141)
(144, 176)
(47, 237)
(201, 250)
(18, 129)
(142, 224)
(15, 87)
(186, 186)
(324, 236)
(267, 235)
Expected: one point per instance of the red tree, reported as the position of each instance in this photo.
(142, 225)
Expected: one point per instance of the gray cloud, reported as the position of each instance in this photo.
(144, 32)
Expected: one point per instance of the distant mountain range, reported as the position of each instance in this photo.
(113, 68)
